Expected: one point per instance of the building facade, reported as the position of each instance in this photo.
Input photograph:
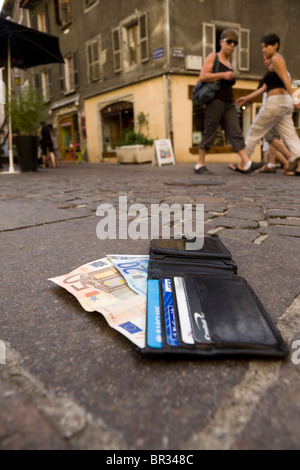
(123, 58)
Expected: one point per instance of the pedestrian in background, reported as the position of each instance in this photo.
(44, 132)
(222, 109)
(279, 107)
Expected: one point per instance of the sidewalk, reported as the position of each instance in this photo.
(71, 382)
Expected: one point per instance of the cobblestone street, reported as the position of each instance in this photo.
(72, 382)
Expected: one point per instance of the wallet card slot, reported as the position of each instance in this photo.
(233, 315)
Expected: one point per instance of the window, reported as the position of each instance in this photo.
(43, 24)
(132, 45)
(43, 84)
(93, 51)
(41, 20)
(130, 42)
(46, 84)
(62, 12)
(210, 43)
(69, 78)
(116, 118)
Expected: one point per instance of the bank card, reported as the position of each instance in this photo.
(154, 339)
(183, 312)
(171, 332)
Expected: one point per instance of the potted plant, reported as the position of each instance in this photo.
(136, 147)
(27, 110)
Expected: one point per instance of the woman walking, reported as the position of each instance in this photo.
(222, 109)
(279, 107)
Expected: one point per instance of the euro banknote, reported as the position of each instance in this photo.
(99, 286)
(134, 269)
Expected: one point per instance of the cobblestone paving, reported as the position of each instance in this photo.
(70, 382)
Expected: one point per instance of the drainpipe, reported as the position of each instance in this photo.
(167, 78)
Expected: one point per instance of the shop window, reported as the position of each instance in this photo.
(116, 118)
(69, 136)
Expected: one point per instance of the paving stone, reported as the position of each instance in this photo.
(129, 402)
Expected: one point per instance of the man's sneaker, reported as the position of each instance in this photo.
(203, 171)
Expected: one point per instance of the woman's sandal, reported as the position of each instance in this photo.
(254, 166)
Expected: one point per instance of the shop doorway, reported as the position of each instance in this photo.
(115, 118)
(69, 137)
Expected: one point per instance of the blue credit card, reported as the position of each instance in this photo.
(171, 332)
(154, 339)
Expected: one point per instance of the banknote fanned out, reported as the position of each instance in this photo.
(100, 287)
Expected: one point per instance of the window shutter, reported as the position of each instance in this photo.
(144, 37)
(50, 84)
(62, 77)
(75, 70)
(47, 19)
(117, 49)
(37, 83)
(96, 61)
(208, 39)
(244, 50)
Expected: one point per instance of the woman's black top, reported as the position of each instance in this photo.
(272, 80)
(225, 93)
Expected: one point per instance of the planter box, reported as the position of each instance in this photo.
(27, 148)
(135, 153)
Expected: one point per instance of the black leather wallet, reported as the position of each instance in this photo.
(197, 305)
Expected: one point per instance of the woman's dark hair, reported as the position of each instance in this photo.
(230, 33)
(271, 40)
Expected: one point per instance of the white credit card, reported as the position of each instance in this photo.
(183, 312)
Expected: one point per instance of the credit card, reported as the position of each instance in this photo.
(154, 339)
(183, 312)
(171, 331)
(198, 319)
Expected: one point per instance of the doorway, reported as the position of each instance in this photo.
(69, 136)
(116, 118)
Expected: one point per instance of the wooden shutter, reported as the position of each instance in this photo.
(50, 83)
(244, 50)
(208, 39)
(62, 77)
(117, 49)
(75, 69)
(143, 37)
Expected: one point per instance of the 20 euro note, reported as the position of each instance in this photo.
(99, 286)
(134, 268)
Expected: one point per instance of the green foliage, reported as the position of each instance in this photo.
(131, 137)
(27, 111)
